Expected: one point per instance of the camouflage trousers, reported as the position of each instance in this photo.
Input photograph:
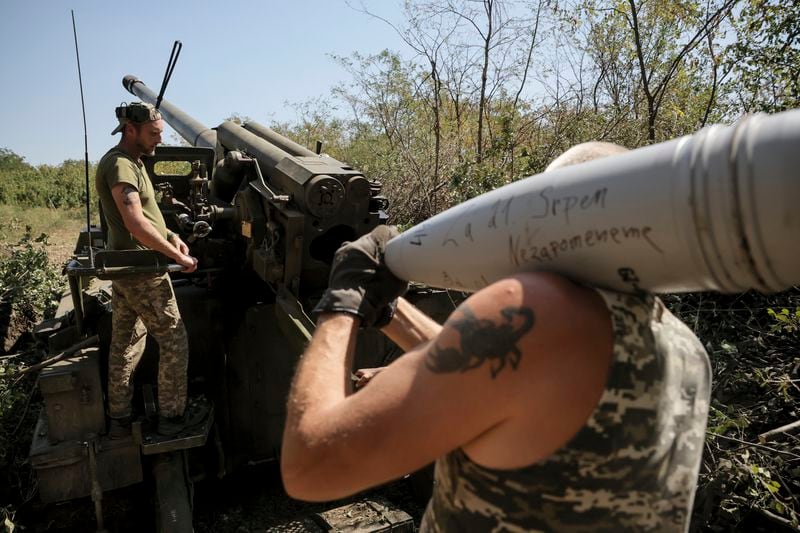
(141, 305)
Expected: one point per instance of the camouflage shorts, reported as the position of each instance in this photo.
(146, 304)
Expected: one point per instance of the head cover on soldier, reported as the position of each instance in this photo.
(135, 113)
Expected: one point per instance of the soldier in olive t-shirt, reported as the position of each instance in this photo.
(142, 303)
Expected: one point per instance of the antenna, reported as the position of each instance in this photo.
(85, 144)
(173, 59)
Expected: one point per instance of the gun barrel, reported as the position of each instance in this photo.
(277, 139)
(234, 137)
(187, 127)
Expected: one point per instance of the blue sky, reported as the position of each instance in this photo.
(249, 57)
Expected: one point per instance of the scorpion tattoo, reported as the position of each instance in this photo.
(483, 340)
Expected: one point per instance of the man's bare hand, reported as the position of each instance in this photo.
(365, 375)
(180, 245)
(188, 262)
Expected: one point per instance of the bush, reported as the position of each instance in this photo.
(751, 338)
(28, 286)
(56, 187)
(28, 283)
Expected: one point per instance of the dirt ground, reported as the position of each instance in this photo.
(61, 227)
(250, 500)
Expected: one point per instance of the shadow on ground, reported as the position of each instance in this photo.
(249, 500)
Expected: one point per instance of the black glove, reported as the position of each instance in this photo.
(360, 283)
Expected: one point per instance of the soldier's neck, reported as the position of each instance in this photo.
(131, 149)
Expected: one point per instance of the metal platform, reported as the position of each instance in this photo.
(192, 437)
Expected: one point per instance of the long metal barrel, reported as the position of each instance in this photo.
(190, 129)
(230, 134)
(235, 137)
(717, 210)
(277, 139)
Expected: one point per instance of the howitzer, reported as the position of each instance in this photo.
(311, 202)
(264, 216)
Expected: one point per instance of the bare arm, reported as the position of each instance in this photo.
(410, 327)
(126, 197)
(321, 381)
(487, 397)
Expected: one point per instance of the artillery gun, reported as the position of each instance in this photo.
(264, 216)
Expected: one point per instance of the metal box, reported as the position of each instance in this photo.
(73, 397)
(64, 471)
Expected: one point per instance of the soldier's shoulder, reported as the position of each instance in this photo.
(111, 155)
(557, 301)
(555, 289)
(550, 280)
(115, 162)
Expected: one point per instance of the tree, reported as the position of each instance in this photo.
(765, 57)
(427, 31)
(663, 41)
(489, 20)
(11, 161)
(53, 186)
(391, 112)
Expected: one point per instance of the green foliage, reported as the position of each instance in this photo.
(755, 362)
(18, 415)
(28, 283)
(754, 477)
(172, 168)
(765, 57)
(412, 124)
(56, 187)
(11, 161)
(785, 321)
(655, 63)
(721, 422)
(28, 287)
(12, 401)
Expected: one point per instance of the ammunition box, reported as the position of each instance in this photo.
(64, 471)
(73, 397)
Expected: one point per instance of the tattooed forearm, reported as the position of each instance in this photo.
(483, 340)
(130, 196)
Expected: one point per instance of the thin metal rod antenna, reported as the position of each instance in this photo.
(173, 60)
(85, 144)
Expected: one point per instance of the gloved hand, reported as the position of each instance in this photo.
(360, 283)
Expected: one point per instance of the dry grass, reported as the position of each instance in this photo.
(61, 226)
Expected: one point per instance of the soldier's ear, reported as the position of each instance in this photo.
(130, 129)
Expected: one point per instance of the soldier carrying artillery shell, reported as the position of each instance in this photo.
(546, 404)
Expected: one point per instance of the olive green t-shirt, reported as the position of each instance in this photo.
(118, 167)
